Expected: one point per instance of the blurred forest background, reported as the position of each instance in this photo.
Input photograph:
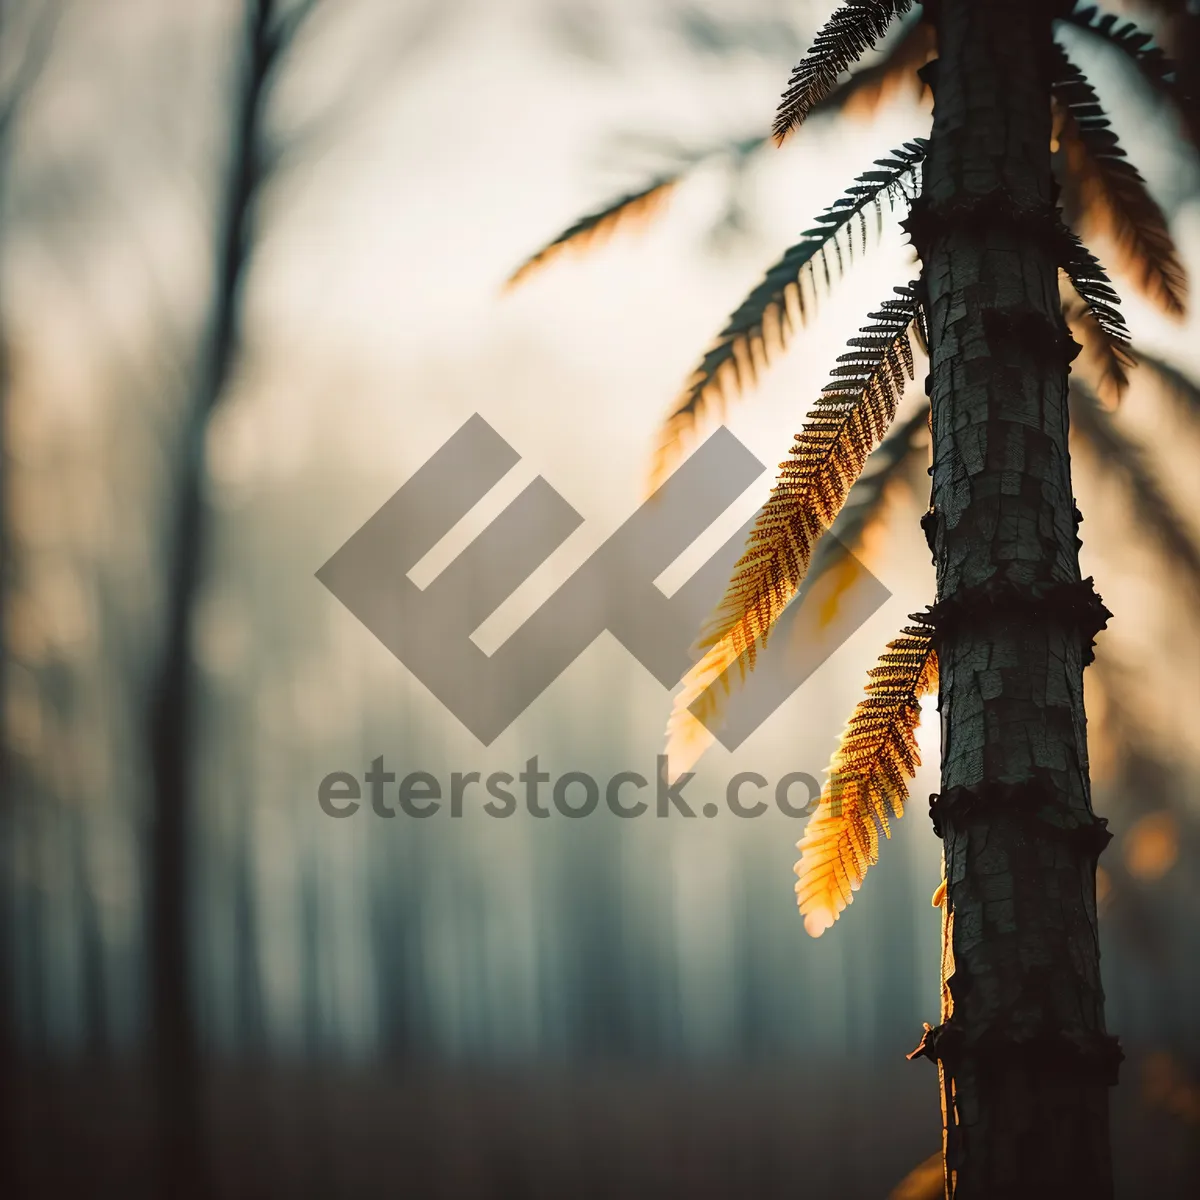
(251, 279)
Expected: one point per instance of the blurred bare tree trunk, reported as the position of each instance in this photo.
(269, 31)
(20, 77)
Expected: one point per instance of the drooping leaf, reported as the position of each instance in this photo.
(624, 212)
(1156, 68)
(640, 206)
(847, 551)
(854, 28)
(868, 779)
(840, 552)
(1104, 362)
(849, 419)
(1104, 193)
(1123, 457)
(1093, 288)
(851, 416)
(866, 507)
(870, 89)
(764, 320)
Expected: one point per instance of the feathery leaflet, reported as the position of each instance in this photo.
(1092, 286)
(867, 502)
(764, 320)
(1105, 192)
(854, 28)
(624, 211)
(1152, 63)
(1103, 362)
(865, 92)
(868, 779)
(851, 416)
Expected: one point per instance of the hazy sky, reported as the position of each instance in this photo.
(375, 327)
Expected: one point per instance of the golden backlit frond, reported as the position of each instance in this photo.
(626, 211)
(854, 28)
(1104, 195)
(764, 321)
(850, 418)
(688, 736)
(868, 779)
(861, 526)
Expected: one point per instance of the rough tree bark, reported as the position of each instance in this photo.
(1025, 1057)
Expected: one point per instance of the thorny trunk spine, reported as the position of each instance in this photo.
(1024, 1052)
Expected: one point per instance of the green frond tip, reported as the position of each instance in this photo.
(587, 231)
(854, 28)
(764, 321)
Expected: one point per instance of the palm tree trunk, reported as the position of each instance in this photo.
(1024, 1052)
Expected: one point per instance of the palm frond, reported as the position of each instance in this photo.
(1128, 460)
(867, 505)
(640, 206)
(623, 212)
(868, 779)
(854, 28)
(852, 544)
(864, 514)
(870, 89)
(851, 416)
(1104, 362)
(764, 321)
(1093, 288)
(1156, 68)
(1104, 193)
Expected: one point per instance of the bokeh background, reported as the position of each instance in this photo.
(478, 1007)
